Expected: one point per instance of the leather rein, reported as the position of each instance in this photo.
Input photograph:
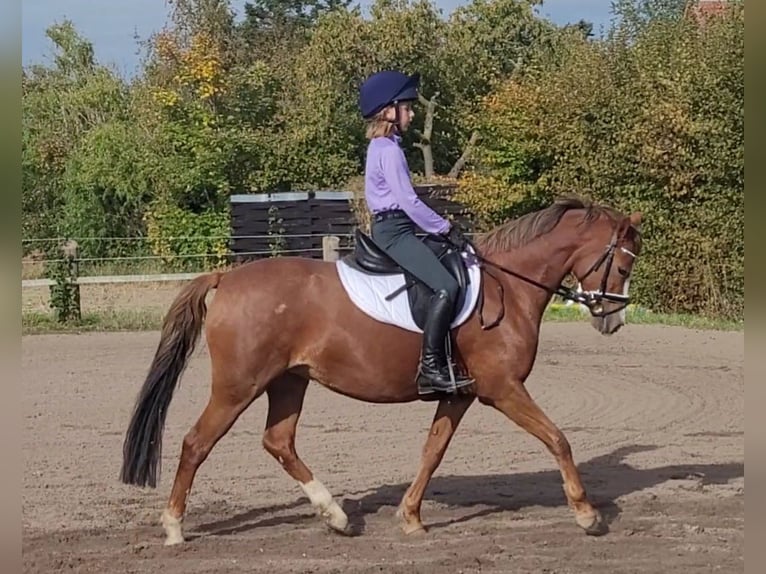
(593, 300)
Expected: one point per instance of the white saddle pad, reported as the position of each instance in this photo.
(368, 292)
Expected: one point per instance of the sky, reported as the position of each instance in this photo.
(115, 26)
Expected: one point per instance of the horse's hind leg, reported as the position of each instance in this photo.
(518, 406)
(228, 398)
(285, 403)
(446, 420)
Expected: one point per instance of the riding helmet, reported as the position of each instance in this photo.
(385, 88)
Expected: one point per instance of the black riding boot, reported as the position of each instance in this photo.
(434, 374)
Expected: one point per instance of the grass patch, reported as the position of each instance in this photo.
(35, 269)
(641, 316)
(36, 322)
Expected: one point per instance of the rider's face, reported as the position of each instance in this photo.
(406, 113)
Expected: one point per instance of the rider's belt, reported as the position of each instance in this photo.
(388, 214)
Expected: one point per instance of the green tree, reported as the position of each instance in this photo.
(651, 122)
(270, 26)
(65, 108)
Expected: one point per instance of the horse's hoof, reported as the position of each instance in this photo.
(340, 529)
(593, 524)
(409, 527)
(413, 529)
(172, 526)
(337, 521)
(173, 540)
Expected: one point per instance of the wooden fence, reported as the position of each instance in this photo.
(329, 251)
(291, 223)
(318, 225)
(295, 222)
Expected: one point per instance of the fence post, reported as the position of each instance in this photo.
(65, 294)
(330, 248)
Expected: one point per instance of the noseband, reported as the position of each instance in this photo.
(593, 300)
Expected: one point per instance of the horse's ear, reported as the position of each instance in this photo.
(632, 220)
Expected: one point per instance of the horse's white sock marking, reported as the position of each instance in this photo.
(323, 501)
(172, 527)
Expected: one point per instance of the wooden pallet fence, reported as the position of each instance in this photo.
(293, 223)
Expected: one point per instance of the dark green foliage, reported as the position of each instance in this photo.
(649, 118)
(652, 120)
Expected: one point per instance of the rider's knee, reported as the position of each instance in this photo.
(449, 290)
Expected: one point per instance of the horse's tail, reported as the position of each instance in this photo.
(180, 331)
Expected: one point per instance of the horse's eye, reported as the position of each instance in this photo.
(622, 271)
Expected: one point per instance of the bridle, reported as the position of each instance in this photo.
(593, 300)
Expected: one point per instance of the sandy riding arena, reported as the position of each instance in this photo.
(655, 417)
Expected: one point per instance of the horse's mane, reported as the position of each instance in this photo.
(520, 231)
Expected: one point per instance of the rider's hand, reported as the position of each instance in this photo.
(456, 237)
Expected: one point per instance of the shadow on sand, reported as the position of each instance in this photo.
(606, 478)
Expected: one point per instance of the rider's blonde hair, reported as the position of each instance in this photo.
(378, 126)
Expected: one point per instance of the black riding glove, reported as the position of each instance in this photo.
(456, 237)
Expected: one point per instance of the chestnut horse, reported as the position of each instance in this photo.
(276, 324)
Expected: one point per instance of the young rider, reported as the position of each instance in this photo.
(385, 101)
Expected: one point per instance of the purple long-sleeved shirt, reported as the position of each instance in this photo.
(387, 185)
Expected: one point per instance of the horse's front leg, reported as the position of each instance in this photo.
(445, 422)
(514, 401)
